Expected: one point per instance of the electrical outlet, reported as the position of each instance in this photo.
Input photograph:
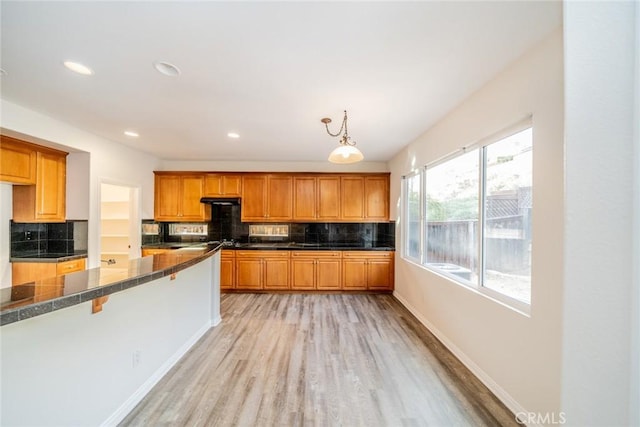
(27, 235)
(137, 358)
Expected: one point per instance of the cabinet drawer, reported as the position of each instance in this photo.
(263, 254)
(367, 254)
(228, 253)
(316, 254)
(67, 267)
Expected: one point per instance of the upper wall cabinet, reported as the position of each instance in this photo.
(316, 198)
(43, 199)
(177, 197)
(364, 198)
(222, 185)
(17, 161)
(267, 198)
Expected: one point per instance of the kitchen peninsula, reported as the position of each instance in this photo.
(60, 354)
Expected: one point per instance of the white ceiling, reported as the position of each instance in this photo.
(269, 71)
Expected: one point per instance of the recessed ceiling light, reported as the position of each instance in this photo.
(233, 135)
(131, 133)
(76, 67)
(167, 69)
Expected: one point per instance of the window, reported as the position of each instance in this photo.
(452, 190)
(413, 216)
(476, 221)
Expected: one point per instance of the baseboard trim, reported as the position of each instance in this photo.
(498, 391)
(146, 387)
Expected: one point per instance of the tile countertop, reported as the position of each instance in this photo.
(28, 300)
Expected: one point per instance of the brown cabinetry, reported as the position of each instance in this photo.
(46, 200)
(177, 197)
(153, 251)
(262, 270)
(266, 198)
(316, 198)
(222, 185)
(26, 272)
(316, 270)
(365, 198)
(367, 270)
(17, 161)
(228, 269)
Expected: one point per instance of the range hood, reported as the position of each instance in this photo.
(229, 201)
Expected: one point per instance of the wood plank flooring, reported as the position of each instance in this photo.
(314, 359)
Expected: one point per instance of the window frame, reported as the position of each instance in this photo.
(406, 212)
(481, 145)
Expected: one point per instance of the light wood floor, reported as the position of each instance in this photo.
(329, 360)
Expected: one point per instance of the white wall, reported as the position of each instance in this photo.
(74, 368)
(108, 161)
(517, 356)
(600, 362)
(6, 204)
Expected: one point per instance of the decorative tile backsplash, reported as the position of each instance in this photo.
(68, 237)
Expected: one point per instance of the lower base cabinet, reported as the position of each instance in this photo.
(367, 270)
(316, 270)
(257, 270)
(228, 269)
(262, 270)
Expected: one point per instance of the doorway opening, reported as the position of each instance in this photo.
(119, 226)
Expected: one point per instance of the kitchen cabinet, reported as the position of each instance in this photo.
(17, 161)
(316, 198)
(365, 198)
(227, 269)
(46, 200)
(367, 270)
(262, 270)
(177, 197)
(26, 272)
(222, 185)
(154, 251)
(316, 270)
(267, 198)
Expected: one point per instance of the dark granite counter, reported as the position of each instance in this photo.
(28, 300)
(288, 246)
(48, 257)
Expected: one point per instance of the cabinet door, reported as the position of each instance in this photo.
(352, 198)
(380, 274)
(376, 198)
(50, 187)
(276, 273)
(25, 272)
(328, 198)
(304, 198)
(227, 272)
(222, 185)
(167, 197)
(254, 198)
(303, 273)
(279, 198)
(192, 188)
(328, 274)
(17, 161)
(249, 273)
(354, 274)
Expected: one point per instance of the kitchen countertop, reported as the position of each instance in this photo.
(289, 246)
(28, 300)
(48, 257)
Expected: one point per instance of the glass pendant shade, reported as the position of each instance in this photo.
(345, 154)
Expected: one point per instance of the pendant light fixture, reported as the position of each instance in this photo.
(346, 151)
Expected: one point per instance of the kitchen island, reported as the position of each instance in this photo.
(66, 363)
